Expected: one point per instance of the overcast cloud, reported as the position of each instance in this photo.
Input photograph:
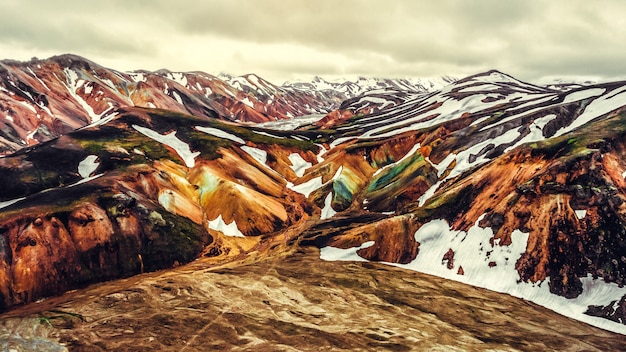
(287, 39)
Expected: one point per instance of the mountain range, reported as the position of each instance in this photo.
(488, 181)
(43, 99)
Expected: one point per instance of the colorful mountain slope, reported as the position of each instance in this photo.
(490, 181)
(43, 99)
(113, 200)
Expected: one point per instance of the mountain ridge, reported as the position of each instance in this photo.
(95, 91)
(489, 181)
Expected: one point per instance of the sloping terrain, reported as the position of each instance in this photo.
(296, 303)
(489, 181)
(530, 179)
(119, 198)
(43, 99)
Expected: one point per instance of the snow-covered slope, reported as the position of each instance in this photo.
(361, 85)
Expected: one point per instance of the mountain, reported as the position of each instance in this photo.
(489, 181)
(294, 302)
(43, 99)
(362, 85)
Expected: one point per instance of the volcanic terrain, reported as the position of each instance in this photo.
(488, 181)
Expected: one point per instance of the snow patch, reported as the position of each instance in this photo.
(39, 79)
(6, 203)
(247, 101)
(177, 97)
(337, 254)
(580, 214)
(291, 124)
(219, 133)
(72, 84)
(30, 107)
(383, 103)
(166, 199)
(298, 164)
(87, 166)
(583, 94)
(179, 78)
(307, 187)
(443, 165)
(598, 107)
(231, 229)
(535, 132)
(463, 158)
(320, 155)
(328, 211)
(429, 193)
(256, 153)
(172, 141)
(84, 180)
(492, 266)
(103, 120)
(267, 134)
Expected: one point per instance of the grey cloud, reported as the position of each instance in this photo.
(74, 27)
(529, 38)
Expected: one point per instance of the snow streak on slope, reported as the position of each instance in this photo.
(73, 84)
(298, 164)
(479, 96)
(328, 212)
(172, 141)
(221, 134)
(440, 107)
(598, 107)
(258, 154)
(291, 124)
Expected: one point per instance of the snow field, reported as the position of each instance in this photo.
(493, 268)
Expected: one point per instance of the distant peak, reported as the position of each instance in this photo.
(73, 60)
(492, 73)
(491, 76)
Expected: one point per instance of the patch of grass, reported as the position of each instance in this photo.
(171, 239)
(52, 315)
(447, 205)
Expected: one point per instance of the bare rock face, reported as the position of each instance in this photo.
(49, 253)
(615, 311)
(42, 255)
(90, 227)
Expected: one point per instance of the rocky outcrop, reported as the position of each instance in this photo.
(112, 236)
(615, 311)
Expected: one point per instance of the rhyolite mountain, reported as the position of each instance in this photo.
(43, 99)
(489, 181)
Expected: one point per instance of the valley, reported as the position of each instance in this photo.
(196, 198)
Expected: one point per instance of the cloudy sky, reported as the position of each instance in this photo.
(289, 39)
